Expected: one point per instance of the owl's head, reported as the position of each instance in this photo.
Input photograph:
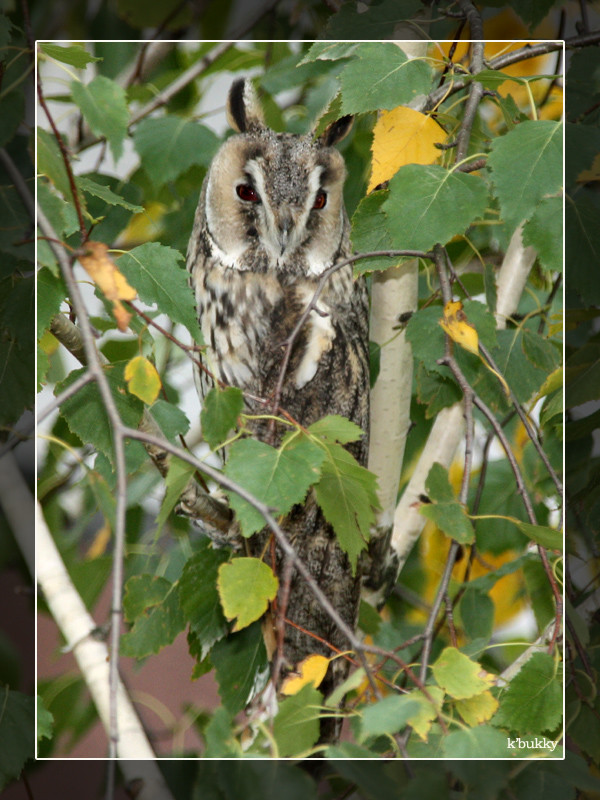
(275, 199)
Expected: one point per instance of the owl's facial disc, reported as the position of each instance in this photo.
(279, 211)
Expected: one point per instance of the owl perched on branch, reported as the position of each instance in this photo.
(270, 221)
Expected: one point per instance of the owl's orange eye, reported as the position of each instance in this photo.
(320, 200)
(247, 193)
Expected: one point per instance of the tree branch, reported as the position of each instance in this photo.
(91, 654)
(94, 365)
(394, 292)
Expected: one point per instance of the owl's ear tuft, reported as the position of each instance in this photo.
(243, 109)
(336, 131)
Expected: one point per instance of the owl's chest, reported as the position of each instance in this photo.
(246, 319)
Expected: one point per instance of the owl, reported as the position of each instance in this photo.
(269, 221)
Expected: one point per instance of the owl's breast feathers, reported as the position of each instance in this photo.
(247, 318)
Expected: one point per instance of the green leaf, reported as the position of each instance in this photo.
(479, 315)
(61, 215)
(370, 231)
(533, 701)
(199, 597)
(170, 145)
(426, 338)
(374, 22)
(86, 416)
(105, 193)
(382, 76)
(389, 715)
(531, 11)
(544, 232)
(430, 204)
(13, 109)
(75, 55)
(296, 726)
(103, 103)
(246, 587)
(153, 603)
(547, 537)
(278, 478)
(334, 428)
(458, 675)
(477, 614)
(171, 420)
(220, 738)
(17, 724)
(241, 667)
(447, 513)
(177, 479)
(435, 391)
(483, 742)
(155, 272)
(51, 291)
(51, 164)
(347, 495)
(329, 51)
(582, 245)
(45, 720)
(526, 165)
(220, 411)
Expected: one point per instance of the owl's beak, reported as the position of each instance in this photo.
(284, 230)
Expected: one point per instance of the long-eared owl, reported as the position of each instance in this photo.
(270, 220)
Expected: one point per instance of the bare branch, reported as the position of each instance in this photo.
(190, 74)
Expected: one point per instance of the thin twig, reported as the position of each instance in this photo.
(65, 158)
(81, 381)
(531, 432)
(96, 371)
(190, 74)
(476, 88)
(583, 26)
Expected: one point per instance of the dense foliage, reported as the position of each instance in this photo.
(160, 567)
(428, 199)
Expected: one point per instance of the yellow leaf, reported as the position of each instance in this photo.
(477, 709)
(311, 670)
(553, 381)
(428, 711)
(403, 136)
(459, 329)
(592, 174)
(142, 379)
(105, 274)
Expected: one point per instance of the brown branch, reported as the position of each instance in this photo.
(531, 432)
(66, 161)
(190, 74)
(476, 88)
